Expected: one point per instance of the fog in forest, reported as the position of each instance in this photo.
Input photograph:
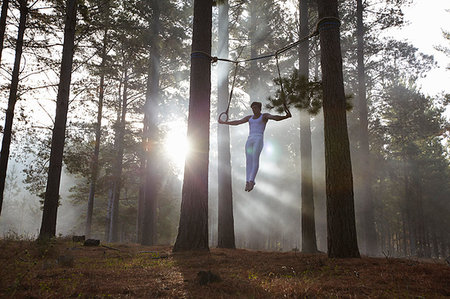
(407, 132)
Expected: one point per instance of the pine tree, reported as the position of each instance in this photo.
(339, 181)
(226, 238)
(3, 16)
(193, 228)
(7, 132)
(51, 201)
(309, 244)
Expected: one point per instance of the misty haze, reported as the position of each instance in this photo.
(111, 132)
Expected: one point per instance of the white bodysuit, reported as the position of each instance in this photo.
(254, 146)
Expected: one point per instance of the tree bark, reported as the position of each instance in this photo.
(98, 132)
(254, 236)
(149, 232)
(116, 146)
(51, 200)
(4, 14)
(226, 238)
(193, 227)
(254, 71)
(367, 210)
(7, 131)
(309, 243)
(342, 241)
(118, 163)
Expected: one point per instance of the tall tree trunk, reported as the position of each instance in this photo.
(254, 236)
(98, 132)
(141, 203)
(367, 211)
(118, 164)
(309, 243)
(151, 137)
(7, 131)
(116, 146)
(254, 72)
(419, 219)
(5, 4)
(226, 237)
(51, 200)
(193, 228)
(342, 241)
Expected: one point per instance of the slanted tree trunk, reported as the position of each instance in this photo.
(309, 243)
(225, 217)
(7, 131)
(342, 241)
(5, 4)
(193, 227)
(118, 164)
(367, 210)
(98, 132)
(51, 200)
(150, 188)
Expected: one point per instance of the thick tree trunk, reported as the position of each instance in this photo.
(367, 210)
(225, 217)
(309, 243)
(150, 189)
(7, 131)
(51, 201)
(118, 165)
(5, 4)
(342, 241)
(98, 132)
(193, 228)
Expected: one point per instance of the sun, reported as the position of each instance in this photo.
(176, 148)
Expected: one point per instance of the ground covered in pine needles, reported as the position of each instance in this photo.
(63, 269)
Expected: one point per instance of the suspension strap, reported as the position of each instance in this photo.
(328, 23)
(236, 66)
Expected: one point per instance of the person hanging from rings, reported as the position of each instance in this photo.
(255, 142)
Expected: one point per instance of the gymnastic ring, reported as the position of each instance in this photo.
(223, 113)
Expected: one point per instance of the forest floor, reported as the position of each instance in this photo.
(63, 269)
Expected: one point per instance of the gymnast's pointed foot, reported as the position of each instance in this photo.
(251, 184)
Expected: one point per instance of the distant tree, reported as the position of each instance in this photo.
(413, 128)
(224, 165)
(7, 131)
(309, 243)
(117, 164)
(445, 49)
(367, 45)
(3, 17)
(193, 228)
(150, 132)
(98, 126)
(225, 237)
(342, 240)
(51, 201)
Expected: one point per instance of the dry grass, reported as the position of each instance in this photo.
(64, 269)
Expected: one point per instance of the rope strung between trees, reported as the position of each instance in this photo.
(323, 24)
